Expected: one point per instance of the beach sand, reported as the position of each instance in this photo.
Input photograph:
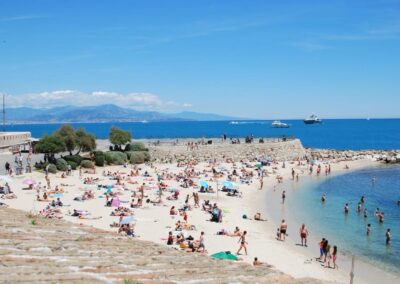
(154, 222)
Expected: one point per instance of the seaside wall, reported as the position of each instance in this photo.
(387, 156)
(274, 149)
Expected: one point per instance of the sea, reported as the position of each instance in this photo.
(348, 231)
(343, 134)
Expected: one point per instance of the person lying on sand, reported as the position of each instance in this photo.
(256, 262)
(3, 205)
(179, 226)
(9, 196)
(257, 217)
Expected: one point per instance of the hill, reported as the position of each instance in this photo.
(101, 113)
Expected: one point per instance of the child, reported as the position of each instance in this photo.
(334, 254)
(278, 234)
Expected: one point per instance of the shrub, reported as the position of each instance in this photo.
(52, 168)
(116, 158)
(146, 156)
(73, 165)
(137, 157)
(73, 158)
(61, 165)
(99, 160)
(98, 153)
(136, 146)
(41, 166)
(87, 164)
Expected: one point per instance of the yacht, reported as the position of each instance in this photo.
(312, 119)
(279, 124)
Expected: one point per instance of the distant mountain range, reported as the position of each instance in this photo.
(102, 113)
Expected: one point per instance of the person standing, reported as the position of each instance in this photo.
(303, 235)
(7, 167)
(283, 196)
(243, 243)
(388, 237)
(369, 229)
(201, 243)
(282, 230)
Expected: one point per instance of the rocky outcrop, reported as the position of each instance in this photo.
(385, 156)
(36, 250)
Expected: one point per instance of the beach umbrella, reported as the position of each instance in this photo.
(127, 220)
(224, 255)
(203, 183)
(29, 181)
(5, 178)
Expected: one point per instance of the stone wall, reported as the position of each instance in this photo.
(279, 150)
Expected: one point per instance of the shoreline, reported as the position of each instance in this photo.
(154, 222)
(365, 272)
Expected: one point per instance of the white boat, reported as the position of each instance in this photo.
(279, 124)
(312, 119)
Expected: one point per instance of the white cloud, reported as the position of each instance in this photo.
(187, 105)
(140, 101)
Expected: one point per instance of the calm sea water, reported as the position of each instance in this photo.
(349, 232)
(354, 134)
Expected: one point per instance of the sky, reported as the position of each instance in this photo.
(256, 59)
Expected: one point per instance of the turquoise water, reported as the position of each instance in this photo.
(349, 232)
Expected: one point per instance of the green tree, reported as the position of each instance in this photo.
(85, 141)
(50, 145)
(119, 137)
(67, 134)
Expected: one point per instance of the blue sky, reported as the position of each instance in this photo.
(261, 59)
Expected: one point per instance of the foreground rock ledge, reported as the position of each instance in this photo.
(37, 250)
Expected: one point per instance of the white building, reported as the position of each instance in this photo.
(14, 140)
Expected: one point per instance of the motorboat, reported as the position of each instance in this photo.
(279, 124)
(312, 119)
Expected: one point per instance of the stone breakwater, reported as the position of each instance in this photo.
(222, 151)
(175, 150)
(36, 250)
(386, 156)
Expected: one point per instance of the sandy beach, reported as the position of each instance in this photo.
(153, 221)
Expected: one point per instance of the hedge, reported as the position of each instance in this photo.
(139, 157)
(61, 165)
(116, 158)
(73, 165)
(73, 158)
(52, 168)
(87, 164)
(99, 161)
(135, 146)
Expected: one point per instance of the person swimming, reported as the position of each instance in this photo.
(323, 198)
(362, 200)
(365, 213)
